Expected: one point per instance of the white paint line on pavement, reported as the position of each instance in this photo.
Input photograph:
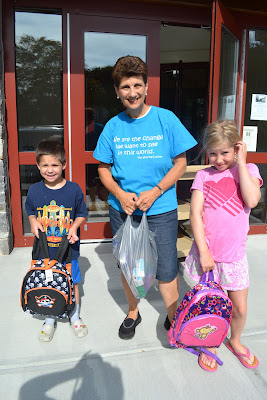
(25, 365)
(78, 358)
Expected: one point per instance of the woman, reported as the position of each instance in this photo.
(142, 155)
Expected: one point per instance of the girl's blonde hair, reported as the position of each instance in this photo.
(220, 131)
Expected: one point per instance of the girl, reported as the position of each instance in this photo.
(222, 197)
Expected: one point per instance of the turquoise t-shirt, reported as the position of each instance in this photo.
(140, 152)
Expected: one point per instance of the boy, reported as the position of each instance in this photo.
(56, 207)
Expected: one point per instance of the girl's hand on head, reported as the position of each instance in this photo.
(207, 262)
(241, 152)
(128, 202)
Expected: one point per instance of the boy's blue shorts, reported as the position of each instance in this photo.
(75, 271)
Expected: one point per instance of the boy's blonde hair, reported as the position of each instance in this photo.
(220, 131)
(50, 147)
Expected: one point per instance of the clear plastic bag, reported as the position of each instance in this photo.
(134, 247)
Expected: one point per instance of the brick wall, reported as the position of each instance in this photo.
(6, 236)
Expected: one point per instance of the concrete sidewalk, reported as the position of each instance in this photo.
(101, 366)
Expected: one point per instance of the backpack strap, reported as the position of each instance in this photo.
(40, 246)
(35, 251)
(64, 248)
(207, 276)
(204, 350)
(209, 353)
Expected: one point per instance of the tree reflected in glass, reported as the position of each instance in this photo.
(39, 90)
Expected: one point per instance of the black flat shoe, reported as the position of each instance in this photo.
(127, 328)
(167, 323)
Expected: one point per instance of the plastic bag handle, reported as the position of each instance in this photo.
(143, 222)
(207, 276)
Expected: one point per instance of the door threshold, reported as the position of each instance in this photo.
(84, 241)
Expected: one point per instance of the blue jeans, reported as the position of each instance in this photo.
(165, 227)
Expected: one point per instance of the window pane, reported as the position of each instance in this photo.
(194, 101)
(184, 91)
(29, 174)
(259, 214)
(257, 84)
(184, 79)
(228, 75)
(38, 78)
(101, 51)
(96, 196)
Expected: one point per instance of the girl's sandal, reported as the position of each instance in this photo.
(240, 355)
(206, 367)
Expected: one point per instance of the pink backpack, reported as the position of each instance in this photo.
(202, 319)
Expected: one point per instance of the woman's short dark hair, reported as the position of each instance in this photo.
(50, 148)
(128, 66)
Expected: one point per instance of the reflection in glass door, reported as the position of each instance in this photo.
(228, 75)
(95, 44)
(39, 90)
(255, 126)
(101, 51)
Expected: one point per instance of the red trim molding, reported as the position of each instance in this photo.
(257, 229)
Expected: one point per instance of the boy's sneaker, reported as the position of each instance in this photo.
(47, 333)
(79, 328)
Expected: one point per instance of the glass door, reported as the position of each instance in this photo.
(225, 66)
(95, 45)
(228, 82)
(34, 100)
(255, 118)
(101, 50)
